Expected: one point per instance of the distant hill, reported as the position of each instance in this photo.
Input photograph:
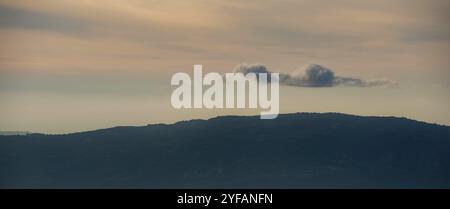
(9, 133)
(304, 150)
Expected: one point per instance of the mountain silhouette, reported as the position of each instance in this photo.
(301, 150)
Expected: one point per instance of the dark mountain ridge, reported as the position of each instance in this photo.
(302, 150)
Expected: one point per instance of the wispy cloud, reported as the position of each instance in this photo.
(18, 18)
(314, 76)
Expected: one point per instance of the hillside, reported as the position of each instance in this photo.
(303, 150)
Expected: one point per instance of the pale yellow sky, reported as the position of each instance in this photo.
(68, 65)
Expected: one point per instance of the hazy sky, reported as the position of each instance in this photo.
(80, 65)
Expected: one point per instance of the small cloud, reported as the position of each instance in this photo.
(250, 68)
(313, 76)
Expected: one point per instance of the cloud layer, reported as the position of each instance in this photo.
(313, 76)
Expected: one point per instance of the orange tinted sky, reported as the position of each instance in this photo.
(67, 65)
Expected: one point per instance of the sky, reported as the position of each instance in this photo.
(68, 66)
